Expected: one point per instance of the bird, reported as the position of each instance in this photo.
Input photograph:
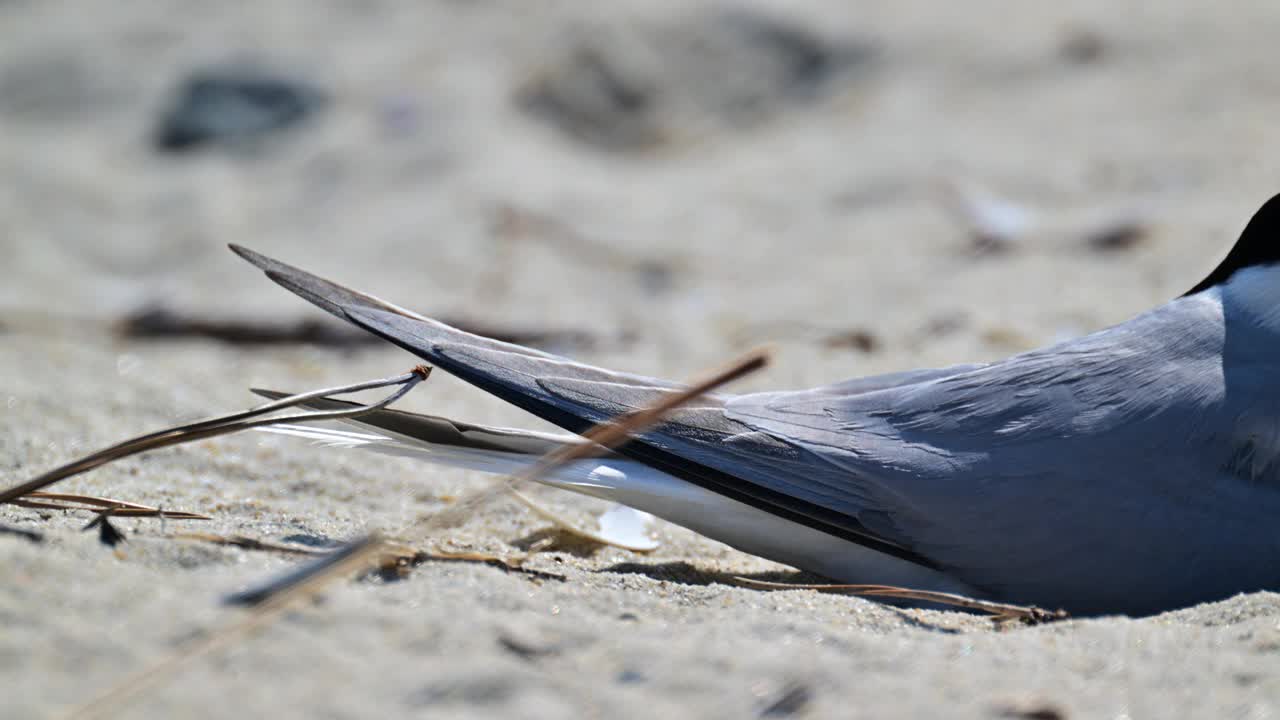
(1132, 470)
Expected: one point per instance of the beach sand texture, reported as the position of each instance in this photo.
(656, 185)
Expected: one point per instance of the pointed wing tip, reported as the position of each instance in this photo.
(256, 258)
(279, 272)
(325, 294)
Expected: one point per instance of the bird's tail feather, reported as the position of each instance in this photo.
(493, 450)
(607, 476)
(451, 443)
(618, 479)
(575, 476)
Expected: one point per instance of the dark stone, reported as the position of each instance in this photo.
(233, 105)
(590, 98)
(857, 339)
(793, 699)
(631, 677)
(633, 87)
(1082, 46)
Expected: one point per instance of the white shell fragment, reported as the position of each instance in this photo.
(628, 527)
(620, 526)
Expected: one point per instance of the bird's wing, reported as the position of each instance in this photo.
(697, 443)
(1099, 461)
(1052, 472)
(867, 384)
(1102, 474)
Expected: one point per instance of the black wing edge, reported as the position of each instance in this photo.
(335, 299)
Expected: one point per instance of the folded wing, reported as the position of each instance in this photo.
(1071, 476)
(698, 443)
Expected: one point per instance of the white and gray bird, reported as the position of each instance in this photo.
(1132, 470)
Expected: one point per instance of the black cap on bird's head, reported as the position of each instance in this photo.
(1258, 245)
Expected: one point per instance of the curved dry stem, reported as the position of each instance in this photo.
(221, 425)
(999, 611)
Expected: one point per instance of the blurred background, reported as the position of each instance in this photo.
(893, 182)
(653, 186)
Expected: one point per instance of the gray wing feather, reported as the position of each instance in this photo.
(868, 384)
(1089, 474)
(692, 445)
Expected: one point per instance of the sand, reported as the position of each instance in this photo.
(433, 177)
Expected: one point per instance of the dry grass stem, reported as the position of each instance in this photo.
(999, 611)
(118, 508)
(297, 585)
(222, 425)
(397, 565)
(248, 543)
(270, 599)
(605, 435)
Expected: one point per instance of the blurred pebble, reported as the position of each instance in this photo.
(793, 699)
(1120, 235)
(590, 98)
(524, 648)
(943, 325)
(1030, 709)
(631, 677)
(633, 87)
(995, 224)
(860, 340)
(1081, 46)
(231, 105)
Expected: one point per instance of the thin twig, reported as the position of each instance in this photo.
(280, 594)
(221, 426)
(119, 508)
(604, 435)
(248, 543)
(310, 573)
(507, 564)
(1000, 611)
(347, 558)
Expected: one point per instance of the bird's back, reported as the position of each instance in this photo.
(1096, 474)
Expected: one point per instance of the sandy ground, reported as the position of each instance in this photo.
(675, 236)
